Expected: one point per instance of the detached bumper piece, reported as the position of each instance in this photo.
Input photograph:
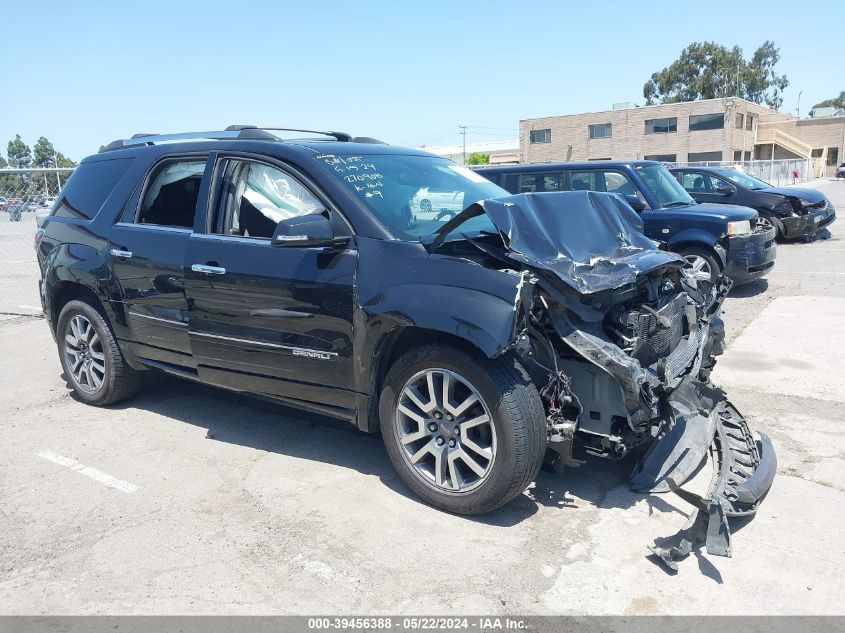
(745, 469)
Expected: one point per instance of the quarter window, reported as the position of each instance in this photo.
(701, 122)
(661, 126)
(540, 136)
(89, 187)
(171, 197)
(601, 130)
(256, 197)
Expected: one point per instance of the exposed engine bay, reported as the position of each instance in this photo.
(620, 342)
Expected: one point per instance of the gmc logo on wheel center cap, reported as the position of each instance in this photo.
(447, 428)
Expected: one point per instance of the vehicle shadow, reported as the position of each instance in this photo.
(751, 289)
(268, 426)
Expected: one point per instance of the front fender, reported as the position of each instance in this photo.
(693, 236)
(484, 320)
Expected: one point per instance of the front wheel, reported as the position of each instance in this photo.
(705, 267)
(768, 223)
(465, 433)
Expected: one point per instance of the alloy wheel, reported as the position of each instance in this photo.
(766, 223)
(700, 269)
(445, 431)
(84, 354)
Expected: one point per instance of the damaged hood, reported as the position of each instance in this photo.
(591, 241)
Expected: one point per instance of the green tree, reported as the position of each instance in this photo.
(43, 153)
(19, 153)
(8, 182)
(478, 158)
(706, 70)
(836, 102)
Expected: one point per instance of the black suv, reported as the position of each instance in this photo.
(300, 271)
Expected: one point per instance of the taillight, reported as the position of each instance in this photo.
(39, 233)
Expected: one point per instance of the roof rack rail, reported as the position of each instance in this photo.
(340, 136)
(231, 132)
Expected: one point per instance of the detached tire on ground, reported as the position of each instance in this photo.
(464, 432)
(92, 362)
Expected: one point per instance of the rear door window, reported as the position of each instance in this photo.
(170, 198)
(587, 181)
(697, 183)
(89, 187)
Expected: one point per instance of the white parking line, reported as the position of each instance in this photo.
(93, 473)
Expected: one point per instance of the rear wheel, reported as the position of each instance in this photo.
(465, 433)
(92, 362)
(705, 267)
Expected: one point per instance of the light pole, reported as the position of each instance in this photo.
(463, 129)
(798, 109)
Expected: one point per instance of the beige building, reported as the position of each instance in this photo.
(728, 130)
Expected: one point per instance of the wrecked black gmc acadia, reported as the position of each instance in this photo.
(479, 342)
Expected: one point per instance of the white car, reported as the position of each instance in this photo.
(428, 204)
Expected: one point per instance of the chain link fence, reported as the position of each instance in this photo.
(25, 195)
(775, 172)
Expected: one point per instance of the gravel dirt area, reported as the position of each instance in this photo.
(189, 500)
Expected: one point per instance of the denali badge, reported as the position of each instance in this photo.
(310, 353)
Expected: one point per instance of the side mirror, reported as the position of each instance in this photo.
(303, 231)
(634, 201)
(725, 190)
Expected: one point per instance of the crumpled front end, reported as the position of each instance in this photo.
(621, 343)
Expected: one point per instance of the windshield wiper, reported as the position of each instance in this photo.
(679, 203)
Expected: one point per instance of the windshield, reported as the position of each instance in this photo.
(413, 196)
(743, 180)
(666, 189)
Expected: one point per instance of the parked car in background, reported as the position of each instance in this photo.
(840, 171)
(4, 203)
(715, 238)
(16, 211)
(794, 212)
(430, 205)
(292, 269)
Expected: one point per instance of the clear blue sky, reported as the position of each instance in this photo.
(409, 72)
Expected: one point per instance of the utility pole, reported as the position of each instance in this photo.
(798, 109)
(463, 129)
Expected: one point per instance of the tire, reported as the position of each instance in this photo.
(514, 436)
(93, 365)
(694, 255)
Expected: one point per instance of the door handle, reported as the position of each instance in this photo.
(208, 270)
(119, 252)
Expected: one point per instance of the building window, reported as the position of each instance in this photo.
(832, 155)
(749, 123)
(663, 158)
(817, 153)
(701, 157)
(748, 155)
(737, 155)
(740, 120)
(701, 122)
(661, 126)
(540, 136)
(601, 130)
